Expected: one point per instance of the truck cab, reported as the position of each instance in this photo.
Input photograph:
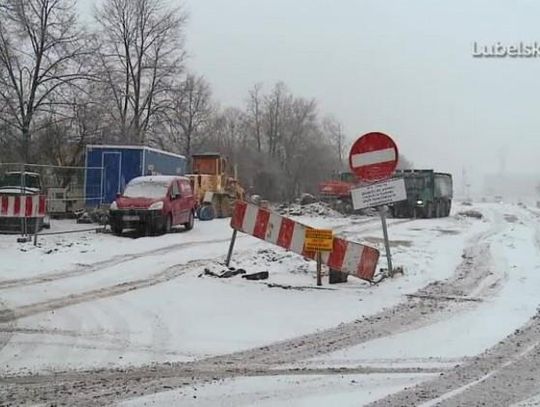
(18, 182)
(429, 194)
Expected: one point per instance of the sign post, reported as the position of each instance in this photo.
(382, 213)
(319, 240)
(231, 248)
(373, 158)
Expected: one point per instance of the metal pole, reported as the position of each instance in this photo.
(23, 195)
(319, 262)
(382, 212)
(231, 247)
(36, 231)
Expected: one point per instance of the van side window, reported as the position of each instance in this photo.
(186, 188)
(174, 190)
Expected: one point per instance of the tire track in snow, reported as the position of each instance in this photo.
(110, 385)
(101, 265)
(13, 314)
(6, 329)
(170, 273)
(506, 373)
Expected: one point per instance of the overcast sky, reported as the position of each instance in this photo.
(401, 67)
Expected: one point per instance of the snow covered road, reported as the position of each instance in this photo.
(100, 319)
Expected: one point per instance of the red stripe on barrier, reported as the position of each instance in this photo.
(261, 223)
(237, 218)
(286, 233)
(17, 206)
(29, 207)
(368, 263)
(42, 205)
(335, 260)
(4, 208)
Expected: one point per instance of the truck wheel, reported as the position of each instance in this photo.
(191, 221)
(428, 210)
(117, 228)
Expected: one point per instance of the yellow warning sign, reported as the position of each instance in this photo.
(319, 240)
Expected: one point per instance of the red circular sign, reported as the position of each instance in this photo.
(373, 157)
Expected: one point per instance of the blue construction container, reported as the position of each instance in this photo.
(109, 168)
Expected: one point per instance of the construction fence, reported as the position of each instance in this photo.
(64, 191)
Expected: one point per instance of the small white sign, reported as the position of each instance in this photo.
(381, 193)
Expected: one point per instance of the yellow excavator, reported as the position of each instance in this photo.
(215, 185)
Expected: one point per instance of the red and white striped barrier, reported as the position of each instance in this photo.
(346, 256)
(22, 206)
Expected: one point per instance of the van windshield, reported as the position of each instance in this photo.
(146, 190)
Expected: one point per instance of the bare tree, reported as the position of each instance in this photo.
(255, 114)
(192, 111)
(334, 132)
(273, 115)
(40, 55)
(277, 143)
(141, 54)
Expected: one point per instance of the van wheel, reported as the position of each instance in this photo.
(168, 224)
(191, 221)
(116, 228)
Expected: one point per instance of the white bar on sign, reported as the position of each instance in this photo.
(373, 157)
(324, 257)
(381, 193)
(35, 206)
(22, 200)
(250, 218)
(272, 230)
(11, 206)
(298, 236)
(352, 258)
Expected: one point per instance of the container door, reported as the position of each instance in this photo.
(111, 176)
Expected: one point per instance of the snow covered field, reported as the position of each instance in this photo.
(90, 307)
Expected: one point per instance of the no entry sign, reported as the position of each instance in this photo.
(373, 157)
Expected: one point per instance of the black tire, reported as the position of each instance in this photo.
(207, 213)
(168, 224)
(428, 211)
(191, 222)
(117, 228)
(448, 207)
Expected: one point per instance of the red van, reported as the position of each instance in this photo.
(153, 204)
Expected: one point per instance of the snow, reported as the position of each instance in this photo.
(533, 401)
(516, 258)
(191, 317)
(93, 300)
(292, 390)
